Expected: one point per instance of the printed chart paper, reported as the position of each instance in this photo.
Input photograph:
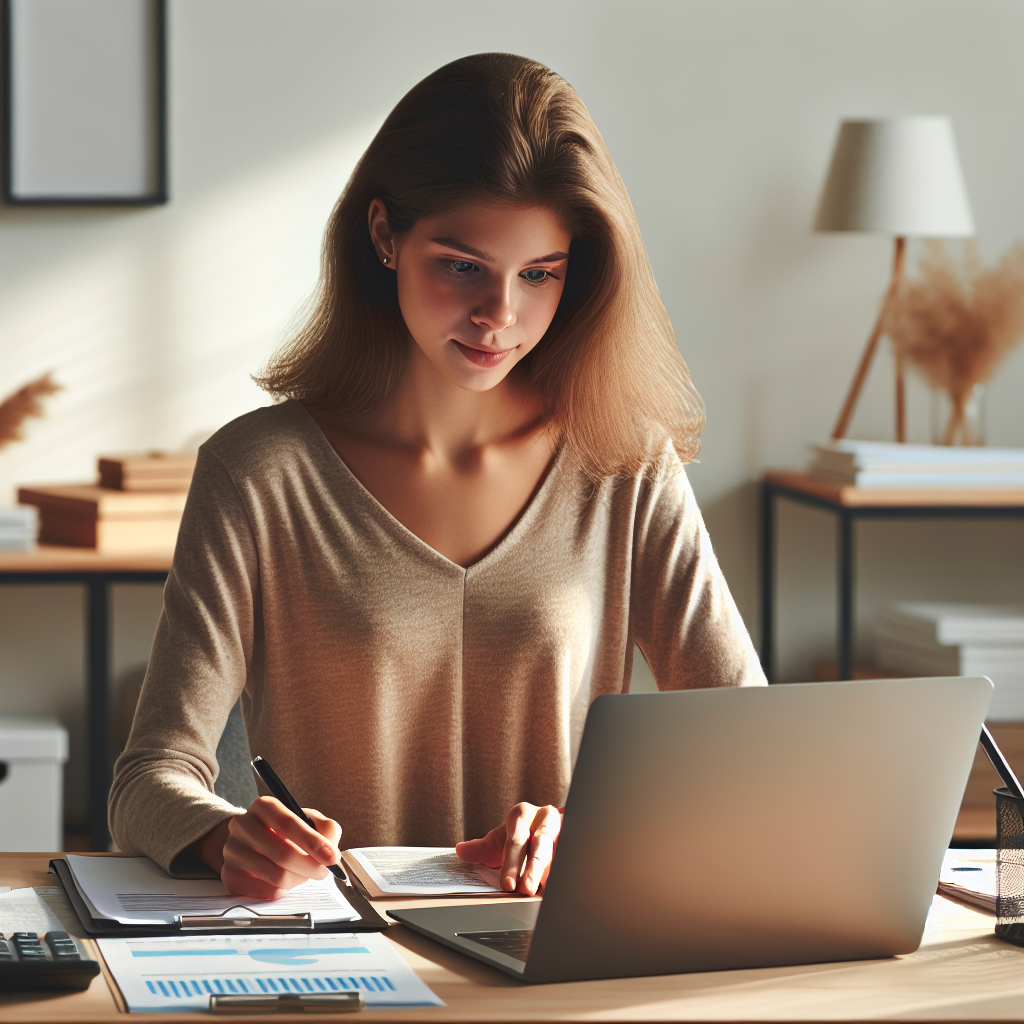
(135, 890)
(177, 974)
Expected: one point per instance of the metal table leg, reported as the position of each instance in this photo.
(844, 583)
(767, 577)
(97, 674)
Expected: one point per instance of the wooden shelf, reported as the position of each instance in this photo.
(48, 558)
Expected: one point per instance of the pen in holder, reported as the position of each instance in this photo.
(1010, 867)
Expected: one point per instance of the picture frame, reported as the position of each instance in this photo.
(84, 105)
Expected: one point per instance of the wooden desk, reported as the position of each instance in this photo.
(961, 972)
(50, 564)
(849, 504)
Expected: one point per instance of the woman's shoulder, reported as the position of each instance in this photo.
(262, 441)
(656, 469)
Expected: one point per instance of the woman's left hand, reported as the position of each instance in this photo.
(521, 846)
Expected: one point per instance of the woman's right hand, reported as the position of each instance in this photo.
(268, 850)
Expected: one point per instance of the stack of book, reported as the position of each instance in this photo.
(150, 471)
(879, 464)
(18, 528)
(135, 508)
(939, 639)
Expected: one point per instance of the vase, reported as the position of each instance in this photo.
(960, 423)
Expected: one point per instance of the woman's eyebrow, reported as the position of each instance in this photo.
(454, 243)
(552, 257)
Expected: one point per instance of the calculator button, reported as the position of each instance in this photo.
(6, 953)
(63, 946)
(28, 946)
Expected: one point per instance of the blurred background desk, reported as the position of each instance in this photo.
(96, 572)
(976, 822)
(848, 504)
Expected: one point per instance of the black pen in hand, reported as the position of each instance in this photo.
(280, 790)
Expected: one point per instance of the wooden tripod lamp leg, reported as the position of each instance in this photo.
(901, 402)
(899, 257)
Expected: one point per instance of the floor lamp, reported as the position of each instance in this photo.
(900, 177)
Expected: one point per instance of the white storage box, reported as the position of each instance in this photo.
(32, 756)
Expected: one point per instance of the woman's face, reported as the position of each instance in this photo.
(478, 286)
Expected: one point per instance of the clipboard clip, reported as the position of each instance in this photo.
(217, 922)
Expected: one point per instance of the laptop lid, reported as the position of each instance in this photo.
(756, 827)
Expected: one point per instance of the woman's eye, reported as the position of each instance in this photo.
(461, 266)
(534, 276)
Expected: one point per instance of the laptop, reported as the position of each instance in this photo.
(743, 827)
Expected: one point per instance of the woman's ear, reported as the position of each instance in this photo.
(380, 233)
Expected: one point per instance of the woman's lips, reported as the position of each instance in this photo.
(480, 357)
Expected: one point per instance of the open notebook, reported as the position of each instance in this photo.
(419, 871)
(970, 875)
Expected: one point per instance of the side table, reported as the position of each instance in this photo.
(50, 564)
(848, 504)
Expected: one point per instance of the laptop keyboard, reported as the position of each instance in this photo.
(515, 942)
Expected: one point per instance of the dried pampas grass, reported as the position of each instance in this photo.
(954, 324)
(23, 404)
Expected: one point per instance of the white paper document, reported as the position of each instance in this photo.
(135, 890)
(420, 871)
(180, 973)
(970, 875)
(30, 910)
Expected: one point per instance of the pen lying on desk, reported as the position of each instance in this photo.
(280, 790)
(333, 1002)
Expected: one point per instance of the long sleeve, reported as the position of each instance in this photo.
(683, 617)
(202, 656)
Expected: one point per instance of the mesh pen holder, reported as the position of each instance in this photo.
(1010, 867)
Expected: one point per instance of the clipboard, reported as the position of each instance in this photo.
(215, 924)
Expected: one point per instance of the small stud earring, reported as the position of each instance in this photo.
(386, 261)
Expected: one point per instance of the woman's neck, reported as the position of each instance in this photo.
(430, 417)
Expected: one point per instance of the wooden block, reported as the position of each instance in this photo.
(87, 501)
(111, 522)
(111, 536)
(147, 471)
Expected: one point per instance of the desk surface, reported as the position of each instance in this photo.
(57, 559)
(961, 972)
(848, 496)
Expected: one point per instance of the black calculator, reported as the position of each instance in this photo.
(31, 963)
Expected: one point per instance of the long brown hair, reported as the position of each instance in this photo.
(499, 128)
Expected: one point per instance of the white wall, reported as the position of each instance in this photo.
(721, 115)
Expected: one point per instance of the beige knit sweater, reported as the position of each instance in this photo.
(413, 700)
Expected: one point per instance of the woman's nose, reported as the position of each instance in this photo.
(495, 311)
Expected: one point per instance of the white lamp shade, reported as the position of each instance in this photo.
(899, 176)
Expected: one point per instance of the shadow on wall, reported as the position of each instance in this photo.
(153, 321)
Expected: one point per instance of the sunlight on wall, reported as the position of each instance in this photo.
(154, 333)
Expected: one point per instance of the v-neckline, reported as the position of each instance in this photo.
(517, 525)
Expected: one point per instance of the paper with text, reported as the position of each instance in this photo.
(420, 871)
(135, 890)
(30, 910)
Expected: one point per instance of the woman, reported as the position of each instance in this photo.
(419, 570)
